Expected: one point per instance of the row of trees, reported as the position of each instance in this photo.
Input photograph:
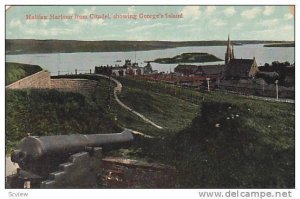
(284, 72)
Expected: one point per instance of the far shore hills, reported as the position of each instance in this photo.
(32, 46)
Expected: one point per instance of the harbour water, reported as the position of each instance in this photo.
(84, 61)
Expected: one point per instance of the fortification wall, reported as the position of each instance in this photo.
(38, 80)
(74, 85)
(42, 80)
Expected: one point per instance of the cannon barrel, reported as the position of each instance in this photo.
(34, 147)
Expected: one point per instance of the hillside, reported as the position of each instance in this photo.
(31, 46)
(215, 140)
(51, 112)
(290, 44)
(226, 147)
(233, 142)
(17, 71)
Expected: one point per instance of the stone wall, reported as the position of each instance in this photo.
(74, 85)
(82, 171)
(42, 80)
(38, 80)
(128, 173)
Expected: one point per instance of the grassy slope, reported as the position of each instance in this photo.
(255, 149)
(167, 111)
(242, 152)
(50, 112)
(16, 71)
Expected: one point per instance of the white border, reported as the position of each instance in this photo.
(137, 193)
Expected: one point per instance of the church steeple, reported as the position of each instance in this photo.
(229, 54)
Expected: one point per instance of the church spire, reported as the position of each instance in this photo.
(229, 51)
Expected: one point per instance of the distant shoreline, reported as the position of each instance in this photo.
(31, 46)
(280, 45)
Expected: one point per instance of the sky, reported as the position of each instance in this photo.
(192, 23)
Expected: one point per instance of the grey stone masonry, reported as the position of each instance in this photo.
(84, 170)
(74, 85)
(38, 80)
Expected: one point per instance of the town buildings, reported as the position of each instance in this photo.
(128, 69)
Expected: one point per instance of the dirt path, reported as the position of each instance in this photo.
(117, 90)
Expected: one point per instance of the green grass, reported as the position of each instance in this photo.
(17, 71)
(167, 111)
(51, 112)
(242, 152)
(253, 150)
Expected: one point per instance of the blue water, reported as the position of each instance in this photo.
(84, 61)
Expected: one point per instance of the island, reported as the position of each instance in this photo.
(188, 58)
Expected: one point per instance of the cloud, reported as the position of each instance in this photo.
(218, 22)
(15, 23)
(45, 22)
(71, 11)
(98, 22)
(269, 22)
(30, 22)
(88, 11)
(93, 22)
(210, 10)
(238, 26)
(268, 10)
(288, 27)
(187, 25)
(230, 11)
(146, 27)
(131, 9)
(288, 16)
(251, 13)
(50, 32)
(191, 12)
(284, 33)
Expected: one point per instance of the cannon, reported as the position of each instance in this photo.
(63, 161)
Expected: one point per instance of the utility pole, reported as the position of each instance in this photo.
(109, 92)
(134, 53)
(207, 79)
(276, 82)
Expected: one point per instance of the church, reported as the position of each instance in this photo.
(238, 68)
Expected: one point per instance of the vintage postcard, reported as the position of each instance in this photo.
(150, 97)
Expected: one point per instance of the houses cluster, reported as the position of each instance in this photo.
(232, 69)
(128, 69)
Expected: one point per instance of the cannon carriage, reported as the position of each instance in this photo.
(63, 161)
